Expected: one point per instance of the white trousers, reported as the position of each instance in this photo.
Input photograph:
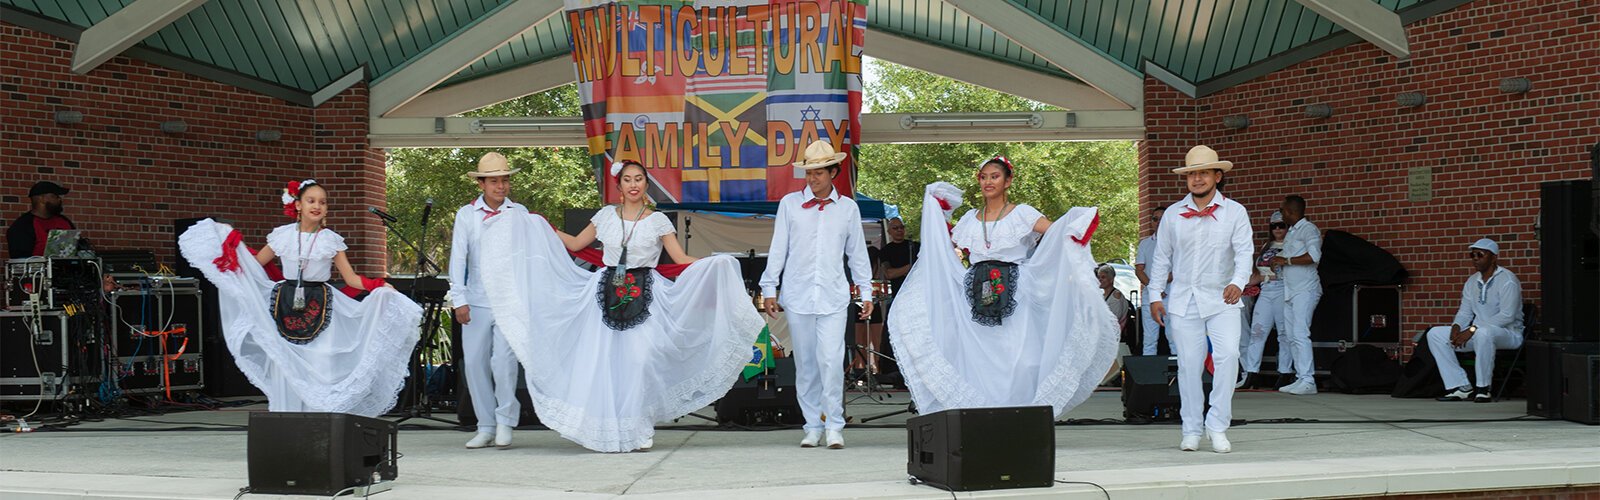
(1484, 342)
(491, 371)
(1268, 314)
(817, 341)
(1297, 314)
(1191, 332)
(1152, 332)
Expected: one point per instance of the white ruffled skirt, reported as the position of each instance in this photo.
(601, 388)
(1052, 350)
(357, 365)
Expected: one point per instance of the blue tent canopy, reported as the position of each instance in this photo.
(871, 208)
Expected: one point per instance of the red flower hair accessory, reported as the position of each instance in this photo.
(291, 193)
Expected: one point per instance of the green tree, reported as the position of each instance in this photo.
(1051, 176)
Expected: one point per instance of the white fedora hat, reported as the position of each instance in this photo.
(1202, 158)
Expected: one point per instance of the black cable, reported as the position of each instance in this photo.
(242, 492)
(914, 480)
(1090, 483)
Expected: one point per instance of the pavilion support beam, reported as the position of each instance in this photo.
(1366, 19)
(984, 72)
(449, 56)
(1054, 44)
(496, 88)
(124, 28)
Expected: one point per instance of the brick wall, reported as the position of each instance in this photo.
(129, 180)
(1487, 151)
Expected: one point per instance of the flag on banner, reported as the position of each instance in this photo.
(760, 355)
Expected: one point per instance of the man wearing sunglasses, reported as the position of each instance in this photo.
(1302, 289)
(1490, 318)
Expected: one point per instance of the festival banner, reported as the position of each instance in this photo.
(718, 98)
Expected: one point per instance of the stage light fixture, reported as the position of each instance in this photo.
(269, 135)
(174, 126)
(1236, 121)
(1410, 99)
(69, 117)
(490, 126)
(1517, 85)
(1318, 111)
(974, 120)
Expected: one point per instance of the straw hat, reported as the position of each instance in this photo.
(1202, 158)
(819, 154)
(493, 165)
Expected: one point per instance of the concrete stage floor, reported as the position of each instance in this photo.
(1344, 446)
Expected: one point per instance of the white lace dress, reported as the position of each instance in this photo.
(357, 365)
(599, 387)
(1052, 348)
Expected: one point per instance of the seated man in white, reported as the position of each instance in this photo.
(1490, 318)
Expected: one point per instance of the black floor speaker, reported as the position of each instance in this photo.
(765, 399)
(983, 448)
(319, 453)
(1580, 387)
(1544, 379)
(1569, 263)
(1150, 388)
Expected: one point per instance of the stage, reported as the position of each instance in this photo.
(1345, 446)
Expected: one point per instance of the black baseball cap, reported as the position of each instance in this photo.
(47, 187)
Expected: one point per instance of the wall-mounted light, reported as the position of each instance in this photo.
(1517, 85)
(269, 135)
(69, 117)
(174, 127)
(1318, 111)
(973, 120)
(490, 125)
(1236, 121)
(1410, 99)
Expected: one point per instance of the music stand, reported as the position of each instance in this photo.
(432, 309)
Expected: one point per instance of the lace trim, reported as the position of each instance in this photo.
(1008, 278)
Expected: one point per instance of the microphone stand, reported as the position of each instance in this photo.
(416, 392)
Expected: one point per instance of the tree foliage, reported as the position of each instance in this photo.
(1050, 176)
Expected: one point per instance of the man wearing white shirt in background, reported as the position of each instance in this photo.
(1302, 288)
(816, 229)
(1204, 244)
(1490, 318)
(1151, 331)
(489, 365)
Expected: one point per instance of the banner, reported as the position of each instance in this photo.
(718, 98)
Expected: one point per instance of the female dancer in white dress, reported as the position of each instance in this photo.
(306, 346)
(610, 353)
(1015, 329)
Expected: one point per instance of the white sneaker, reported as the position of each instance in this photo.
(1302, 388)
(835, 439)
(1219, 442)
(1243, 378)
(648, 444)
(480, 441)
(813, 436)
(1189, 443)
(502, 436)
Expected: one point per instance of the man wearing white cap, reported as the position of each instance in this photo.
(1302, 289)
(1204, 244)
(490, 366)
(1490, 318)
(816, 228)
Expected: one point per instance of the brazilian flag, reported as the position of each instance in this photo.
(760, 355)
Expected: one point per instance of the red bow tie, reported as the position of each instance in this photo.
(1208, 212)
(815, 202)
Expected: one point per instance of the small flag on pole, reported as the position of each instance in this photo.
(760, 355)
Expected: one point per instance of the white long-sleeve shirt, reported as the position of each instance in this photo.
(1495, 302)
(805, 242)
(1303, 239)
(1203, 254)
(1147, 247)
(466, 284)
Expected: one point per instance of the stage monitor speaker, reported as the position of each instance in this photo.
(1580, 387)
(1150, 387)
(291, 453)
(1544, 378)
(1569, 263)
(983, 448)
(766, 399)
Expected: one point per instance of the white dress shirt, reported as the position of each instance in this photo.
(465, 286)
(804, 243)
(1147, 247)
(1203, 254)
(1303, 239)
(1494, 302)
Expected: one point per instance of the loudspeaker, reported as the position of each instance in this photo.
(319, 453)
(1150, 387)
(1580, 387)
(1544, 384)
(222, 376)
(766, 399)
(983, 448)
(1569, 263)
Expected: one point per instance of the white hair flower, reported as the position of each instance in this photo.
(616, 168)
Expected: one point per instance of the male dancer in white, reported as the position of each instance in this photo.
(490, 366)
(1204, 243)
(1302, 288)
(816, 229)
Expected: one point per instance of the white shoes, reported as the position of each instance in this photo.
(813, 436)
(1219, 442)
(1189, 443)
(1300, 388)
(502, 436)
(648, 444)
(835, 439)
(481, 440)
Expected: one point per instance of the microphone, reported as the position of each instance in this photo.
(382, 215)
(427, 210)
